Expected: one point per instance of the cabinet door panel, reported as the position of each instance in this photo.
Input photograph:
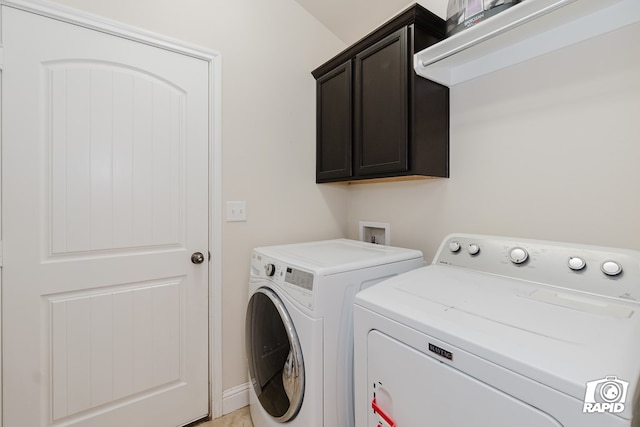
(334, 118)
(381, 132)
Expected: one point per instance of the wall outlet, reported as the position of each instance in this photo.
(236, 211)
(375, 232)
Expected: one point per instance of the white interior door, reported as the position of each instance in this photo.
(105, 199)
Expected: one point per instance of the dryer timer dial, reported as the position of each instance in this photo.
(473, 249)
(269, 269)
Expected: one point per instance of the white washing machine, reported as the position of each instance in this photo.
(502, 332)
(299, 336)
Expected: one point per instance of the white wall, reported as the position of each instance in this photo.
(268, 129)
(548, 149)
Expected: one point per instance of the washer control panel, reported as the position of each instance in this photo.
(294, 282)
(596, 270)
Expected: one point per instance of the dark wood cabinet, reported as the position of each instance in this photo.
(333, 96)
(375, 117)
(381, 104)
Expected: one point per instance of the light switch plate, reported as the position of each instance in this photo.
(236, 211)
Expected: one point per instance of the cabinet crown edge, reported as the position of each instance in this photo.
(415, 14)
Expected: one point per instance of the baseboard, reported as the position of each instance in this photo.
(235, 398)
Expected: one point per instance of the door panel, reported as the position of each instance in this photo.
(333, 124)
(117, 148)
(134, 336)
(414, 389)
(105, 198)
(381, 105)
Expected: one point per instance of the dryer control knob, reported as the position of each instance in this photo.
(518, 255)
(454, 246)
(611, 268)
(473, 249)
(576, 263)
(269, 269)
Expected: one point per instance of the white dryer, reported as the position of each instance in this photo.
(502, 332)
(299, 327)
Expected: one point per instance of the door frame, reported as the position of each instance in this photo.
(213, 58)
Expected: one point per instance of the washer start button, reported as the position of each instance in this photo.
(611, 268)
(518, 255)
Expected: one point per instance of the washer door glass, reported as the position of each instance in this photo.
(276, 367)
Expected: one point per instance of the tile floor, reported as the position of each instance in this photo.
(239, 418)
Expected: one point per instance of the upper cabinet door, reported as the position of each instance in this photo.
(381, 104)
(333, 124)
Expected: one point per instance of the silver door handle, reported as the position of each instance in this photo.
(197, 258)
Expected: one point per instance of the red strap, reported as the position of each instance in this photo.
(379, 411)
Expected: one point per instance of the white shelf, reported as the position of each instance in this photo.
(524, 31)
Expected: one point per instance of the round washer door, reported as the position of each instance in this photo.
(274, 355)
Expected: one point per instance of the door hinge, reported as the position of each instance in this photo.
(1, 253)
(1, 57)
